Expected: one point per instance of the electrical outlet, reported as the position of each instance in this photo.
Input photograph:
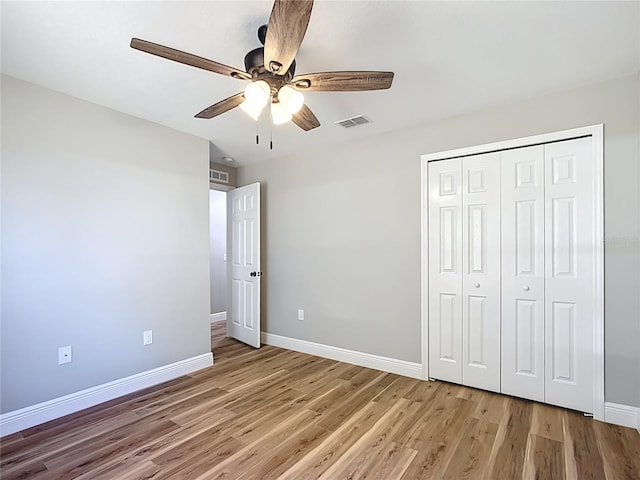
(65, 355)
(300, 314)
(147, 337)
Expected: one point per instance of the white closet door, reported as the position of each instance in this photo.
(445, 274)
(569, 272)
(481, 271)
(523, 272)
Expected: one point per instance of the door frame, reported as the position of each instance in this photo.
(255, 339)
(596, 132)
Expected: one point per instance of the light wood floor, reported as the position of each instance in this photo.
(271, 413)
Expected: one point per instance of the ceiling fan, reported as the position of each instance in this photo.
(271, 70)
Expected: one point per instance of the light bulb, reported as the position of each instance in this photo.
(250, 109)
(279, 114)
(257, 93)
(291, 99)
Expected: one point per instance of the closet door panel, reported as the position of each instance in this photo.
(523, 256)
(569, 266)
(481, 271)
(445, 274)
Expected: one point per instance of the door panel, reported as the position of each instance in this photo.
(563, 347)
(448, 328)
(477, 331)
(445, 276)
(525, 345)
(481, 271)
(243, 315)
(523, 253)
(569, 311)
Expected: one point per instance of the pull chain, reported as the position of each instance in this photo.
(271, 131)
(257, 136)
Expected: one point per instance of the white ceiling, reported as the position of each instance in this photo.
(448, 57)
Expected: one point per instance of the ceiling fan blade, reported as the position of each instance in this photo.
(305, 119)
(187, 59)
(286, 28)
(222, 106)
(343, 81)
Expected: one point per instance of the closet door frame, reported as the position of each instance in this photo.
(596, 132)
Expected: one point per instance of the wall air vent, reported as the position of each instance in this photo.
(218, 176)
(353, 121)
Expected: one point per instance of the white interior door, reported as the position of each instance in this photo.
(569, 272)
(523, 272)
(243, 240)
(481, 271)
(445, 270)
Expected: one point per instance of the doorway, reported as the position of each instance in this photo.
(217, 264)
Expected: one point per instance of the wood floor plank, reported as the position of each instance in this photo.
(338, 415)
(548, 459)
(257, 452)
(284, 455)
(582, 457)
(397, 390)
(546, 421)
(363, 459)
(509, 461)
(491, 407)
(436, 440)
(423, 392)
(29, 469)
(333, 448)
(472, 453)
(124, 465)
(271, 413)
(617, 445)
(74, 463)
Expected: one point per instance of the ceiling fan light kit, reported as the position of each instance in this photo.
(251, 109)
(257, 93)
(291, 99)
(280, 114)
(270, 70)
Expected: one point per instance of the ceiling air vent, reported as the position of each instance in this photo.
(353, 121)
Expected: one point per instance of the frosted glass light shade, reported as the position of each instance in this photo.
(257, 93)
(279, 114)
(291, 99)
(250, 109)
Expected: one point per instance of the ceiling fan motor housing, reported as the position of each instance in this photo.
(254, 64)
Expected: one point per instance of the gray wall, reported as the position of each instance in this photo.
(341, 228)
(104, 235)
(218, 248)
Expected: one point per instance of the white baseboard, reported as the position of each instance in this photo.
(385, 364)
(27, 417)
(218, 317)
(622, 415)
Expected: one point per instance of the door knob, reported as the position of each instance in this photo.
(477, 285)
(526, 288)
(256, 274)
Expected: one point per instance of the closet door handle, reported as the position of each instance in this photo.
(526, 288)
(477, 285)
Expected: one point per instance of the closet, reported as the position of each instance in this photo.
(512, 257)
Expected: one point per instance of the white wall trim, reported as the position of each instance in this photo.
(385, 364)
(424, 274)
(624, 415)
(597, 134)
(27, 417)
(218, 317)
